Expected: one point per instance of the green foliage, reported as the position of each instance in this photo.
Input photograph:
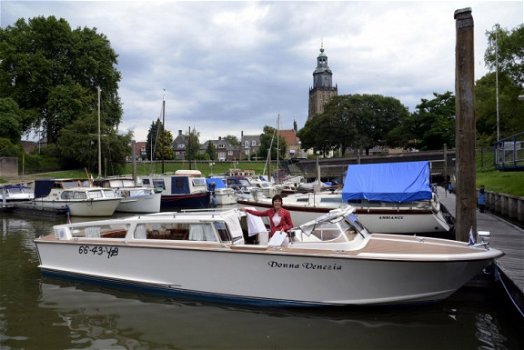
(511, 110)
(11, 120)
(266, 144)
(78, 146)
(433, 123)
(509, 46)
(353, 121)
(8, 149)
(37, 163)
(152, 138)
(164, 149)
(52, 72)
(192, 145)
(211, 151)
(232, 140)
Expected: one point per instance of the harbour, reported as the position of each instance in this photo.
(49, 313)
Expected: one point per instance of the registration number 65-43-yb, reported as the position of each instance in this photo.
(98, 250)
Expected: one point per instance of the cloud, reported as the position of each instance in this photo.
(228, 67)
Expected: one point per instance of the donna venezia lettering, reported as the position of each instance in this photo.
(304, 266)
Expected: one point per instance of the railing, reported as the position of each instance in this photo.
(506, 205)
(509, 152)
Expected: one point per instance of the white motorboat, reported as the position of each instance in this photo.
(220, 194)
(16, 193)
(135, 198)
(74, 197)
(381, 217)
(388, 197)
(332, 260)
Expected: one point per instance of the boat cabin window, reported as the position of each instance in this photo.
(101, 231)
(95, 194)
(199, 181)
(145, 182)
(334, 199)
(73, 195)
(159, 183)
(223, 232)
(109, 194)
(176, 231)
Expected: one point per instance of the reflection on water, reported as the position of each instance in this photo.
(48, 313)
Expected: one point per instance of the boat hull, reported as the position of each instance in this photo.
(259, 277)
(193, 200)
(140, 204)
(94, 208)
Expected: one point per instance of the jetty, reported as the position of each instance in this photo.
(504, 236)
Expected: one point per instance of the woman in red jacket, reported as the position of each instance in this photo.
(279, 218)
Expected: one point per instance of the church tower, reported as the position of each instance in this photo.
(322, 90)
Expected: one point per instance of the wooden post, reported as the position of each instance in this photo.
(466, 215)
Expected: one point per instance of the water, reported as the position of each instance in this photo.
(38, 312)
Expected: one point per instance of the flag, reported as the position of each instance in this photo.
(471, 240)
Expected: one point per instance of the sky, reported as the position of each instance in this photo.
(224, 67)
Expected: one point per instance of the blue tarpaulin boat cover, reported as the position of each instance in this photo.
(388, 182)
(219, 183)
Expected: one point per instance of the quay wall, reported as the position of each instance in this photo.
(505, 205)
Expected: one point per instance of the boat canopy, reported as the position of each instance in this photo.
(388, 182)
(219, 183)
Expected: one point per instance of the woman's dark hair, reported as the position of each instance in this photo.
(276, 197)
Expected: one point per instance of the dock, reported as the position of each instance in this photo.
(506, 237)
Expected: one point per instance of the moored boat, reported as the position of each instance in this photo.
(16, 193)
(332, 260)
(400, 202)
(184, 189)
(73, 196)
(135, 198)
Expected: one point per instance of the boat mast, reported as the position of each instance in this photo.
(163, 126)
(278, 146)
(99, 144)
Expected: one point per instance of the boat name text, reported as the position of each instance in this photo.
(391, 217)
(306, 266)
(98, 250)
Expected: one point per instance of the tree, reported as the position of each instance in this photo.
(11, 120)
(164, 149)
(353, 121)
(211, 150)
(192, 145)
(509, 47)
(433, 123)
(511, 110)
(78, 146)
(44, 61)
(232, 140)
(152, 138)
(265, 143)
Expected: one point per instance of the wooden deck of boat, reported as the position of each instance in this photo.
(505, 236)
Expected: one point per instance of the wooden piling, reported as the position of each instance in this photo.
(466, 215)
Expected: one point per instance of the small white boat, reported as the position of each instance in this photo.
(59, 195)
(16, 193)
(332, 260)
(135, 198)
(220, 194)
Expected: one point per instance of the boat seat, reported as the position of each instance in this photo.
(114, 234)
(179, 234)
